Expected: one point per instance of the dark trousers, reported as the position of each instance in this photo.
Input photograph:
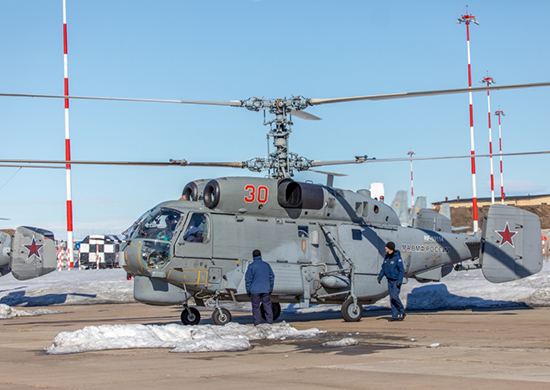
(397, 307)
(265, 300)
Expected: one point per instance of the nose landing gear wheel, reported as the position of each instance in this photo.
(351, 312)
(190, 316)
(221, 316)
(275, 308)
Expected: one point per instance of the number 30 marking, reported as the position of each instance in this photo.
(261, 195)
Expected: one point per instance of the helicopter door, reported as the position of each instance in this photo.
(195, 240)
(363, 246)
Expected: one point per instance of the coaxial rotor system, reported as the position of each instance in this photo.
(281, 163)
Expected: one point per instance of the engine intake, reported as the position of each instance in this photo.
(292, 194)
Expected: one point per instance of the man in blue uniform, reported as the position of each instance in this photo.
(393, 270)
(259, 284)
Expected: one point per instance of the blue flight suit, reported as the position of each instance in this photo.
(259, 280)
(393, 270)
(193, 234)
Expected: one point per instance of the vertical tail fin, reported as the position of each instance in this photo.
(32, 252)
(399, 205)
(421, 203)
(511, 244)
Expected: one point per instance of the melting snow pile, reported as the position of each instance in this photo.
(180, 338)
(9, 312)
(345, 342)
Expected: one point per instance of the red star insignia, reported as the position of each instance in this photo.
(33, 248)
(506, 235)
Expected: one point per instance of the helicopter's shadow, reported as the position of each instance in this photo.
(438, 297)
(19, 298)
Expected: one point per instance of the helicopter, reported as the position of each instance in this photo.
(324, 244)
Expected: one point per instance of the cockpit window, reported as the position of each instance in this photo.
(155, 254)
(197, 229)
(160, 225)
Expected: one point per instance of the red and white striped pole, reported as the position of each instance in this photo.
(67, 143)
(499, 113)
(467, 19)
(489, 80)
(411, 153)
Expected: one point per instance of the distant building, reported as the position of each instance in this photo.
(100, 251)
(524, 200)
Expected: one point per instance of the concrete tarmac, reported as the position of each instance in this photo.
(506, 349)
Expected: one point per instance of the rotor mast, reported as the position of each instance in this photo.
(282, 162)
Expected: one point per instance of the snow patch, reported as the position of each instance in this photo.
(180, 338)
(7, 312)
(345, 342)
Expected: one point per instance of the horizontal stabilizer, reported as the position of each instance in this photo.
(33, 253)
(511, 244)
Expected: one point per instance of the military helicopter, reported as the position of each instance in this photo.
(325, 244)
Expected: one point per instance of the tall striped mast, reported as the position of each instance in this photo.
(67, 142)
(500, 113)
(489, 80)
(467, 19)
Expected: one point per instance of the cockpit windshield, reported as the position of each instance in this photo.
(160, 224)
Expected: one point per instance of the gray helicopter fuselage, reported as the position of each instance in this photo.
(298, 227)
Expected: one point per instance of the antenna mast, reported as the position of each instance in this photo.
(489, 80)
(467, 19)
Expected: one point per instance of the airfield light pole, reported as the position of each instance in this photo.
(411, 153)
(489, 80)
(467, 19)
(67, 142)
(500, 113)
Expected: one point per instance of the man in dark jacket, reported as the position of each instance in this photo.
(393, 270)
(259, 284)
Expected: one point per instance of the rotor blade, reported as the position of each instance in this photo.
(305, 115)
(233, 103)
(403, 95)
(30, 166)
(129, 163)
(327, 173)
(318, 163)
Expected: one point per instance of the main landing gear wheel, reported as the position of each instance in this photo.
(275, 307)
(221, 316)
(190, 316)
(351, 312)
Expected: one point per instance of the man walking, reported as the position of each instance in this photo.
(393, 270)
(259, 284)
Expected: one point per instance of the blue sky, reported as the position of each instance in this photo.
(233, 50)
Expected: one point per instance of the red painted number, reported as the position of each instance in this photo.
(261, 195)
(251, 194)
